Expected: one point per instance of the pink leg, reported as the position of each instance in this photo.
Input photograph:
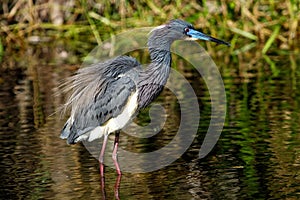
(101, 157)
(117, 187)
(115, 151)
(103, 187)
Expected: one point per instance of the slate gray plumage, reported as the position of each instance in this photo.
(104, 85)
(101, 92)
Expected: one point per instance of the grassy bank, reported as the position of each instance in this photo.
(250, 25)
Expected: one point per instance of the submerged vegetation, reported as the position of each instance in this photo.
(253, 27)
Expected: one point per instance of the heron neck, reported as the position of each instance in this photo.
(160, 63)
(154, 77)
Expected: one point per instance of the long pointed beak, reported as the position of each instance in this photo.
(198, 35)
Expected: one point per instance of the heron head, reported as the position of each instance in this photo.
(186, 31)
(162, 36)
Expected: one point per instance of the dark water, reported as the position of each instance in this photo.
(256, 157)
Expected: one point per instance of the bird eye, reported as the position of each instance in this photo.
(186, 30)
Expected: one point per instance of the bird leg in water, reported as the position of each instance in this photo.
(117, 186)
(103, 187)
(115, 151)
(101, 157)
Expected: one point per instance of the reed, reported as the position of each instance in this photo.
(250, 25)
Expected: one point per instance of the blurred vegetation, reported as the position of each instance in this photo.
(265, 27)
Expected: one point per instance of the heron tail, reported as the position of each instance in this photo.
(66, 132)
(74, 135)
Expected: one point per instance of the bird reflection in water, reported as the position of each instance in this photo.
(116, 186)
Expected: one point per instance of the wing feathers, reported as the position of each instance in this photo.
(99, 93)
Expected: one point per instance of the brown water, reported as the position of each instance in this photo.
(256, 157)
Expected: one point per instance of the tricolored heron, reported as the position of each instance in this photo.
(106, 96)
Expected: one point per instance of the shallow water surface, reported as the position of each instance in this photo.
(256, 157)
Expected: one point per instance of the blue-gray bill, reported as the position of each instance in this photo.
(201, 36)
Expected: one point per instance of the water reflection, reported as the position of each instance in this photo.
(257, 156)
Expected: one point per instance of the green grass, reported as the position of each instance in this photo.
(266, 26)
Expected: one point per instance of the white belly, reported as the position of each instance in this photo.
(113, 124)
